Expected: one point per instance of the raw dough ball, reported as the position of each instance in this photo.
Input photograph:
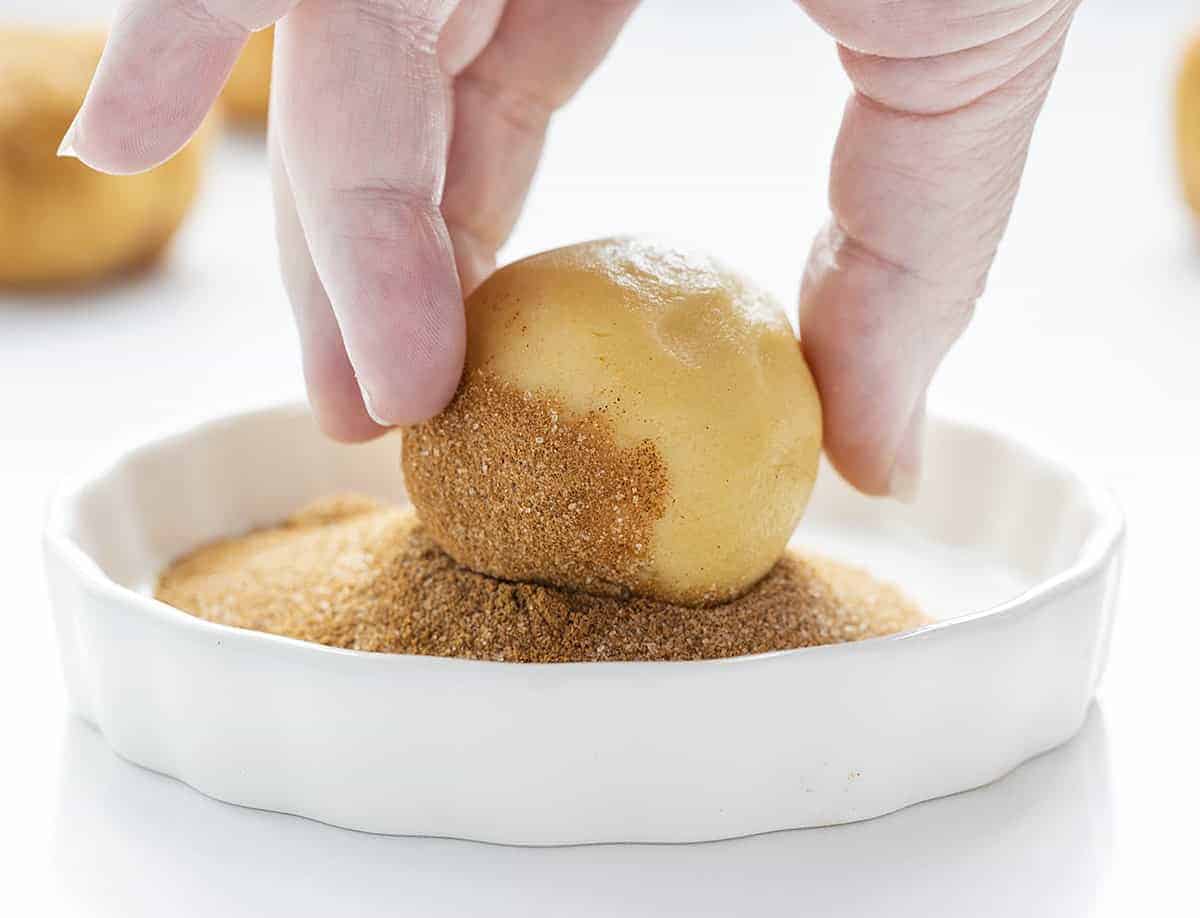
(59, 220)
(248, 88)
(1187, 124)
(632, 419)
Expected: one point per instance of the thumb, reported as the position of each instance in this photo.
(924, 174)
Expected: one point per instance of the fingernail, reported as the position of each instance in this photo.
(67, 147)
(905, 479)
(369, 405)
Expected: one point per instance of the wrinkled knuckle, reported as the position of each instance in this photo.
(948, 295)
(851, 248)
(925, 28)
(947, 82)
(412, 25)
(379, 211)
(385, 193)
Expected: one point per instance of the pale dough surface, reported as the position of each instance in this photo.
(671, 349)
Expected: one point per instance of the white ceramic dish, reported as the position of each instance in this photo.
(1016, 552)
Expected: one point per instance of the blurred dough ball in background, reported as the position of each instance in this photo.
(633, 418)
(61, 222)
(1187, 123)
(248, 88)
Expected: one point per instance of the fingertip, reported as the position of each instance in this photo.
(148, 97)
(414, 386)
(862, 365)
(352, 427)
(116, 146)
(333, 391)
(395, 290)
(874, 442)
(858, 466)
(127, 146)
(337, 404)
(866, 416)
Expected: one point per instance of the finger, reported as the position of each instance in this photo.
(541, 53)
(467, 32)
(362, 116)
(912, 29)
(163, 66)
(924, 174)
(332, 389)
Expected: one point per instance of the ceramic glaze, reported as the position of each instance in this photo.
(1015, 553)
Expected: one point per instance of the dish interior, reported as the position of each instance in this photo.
(991, 522)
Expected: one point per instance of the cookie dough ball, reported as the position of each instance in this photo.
(60, 221)
(1187, 124)
(248, 88)
(633, 419)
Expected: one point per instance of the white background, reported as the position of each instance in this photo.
(715, 126)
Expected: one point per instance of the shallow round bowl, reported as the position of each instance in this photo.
(1016, 555)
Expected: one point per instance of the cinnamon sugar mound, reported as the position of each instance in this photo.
(586, 506)
(350, 572)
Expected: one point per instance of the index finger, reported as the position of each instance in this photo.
(363, 118)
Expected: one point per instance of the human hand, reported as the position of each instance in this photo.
(405, 133)
(377, 198)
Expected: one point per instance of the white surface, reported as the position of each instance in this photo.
(585, 752)
(1086, 338)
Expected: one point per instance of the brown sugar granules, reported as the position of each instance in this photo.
(585, 506)
(349, 572)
